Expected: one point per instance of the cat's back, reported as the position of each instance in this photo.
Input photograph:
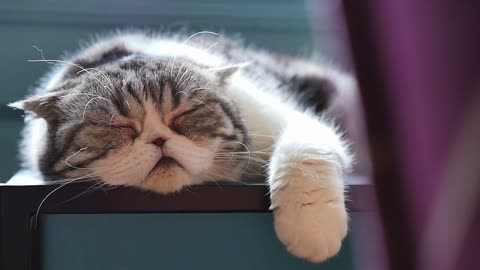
(203, 48)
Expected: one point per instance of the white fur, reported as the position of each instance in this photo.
(305, 171)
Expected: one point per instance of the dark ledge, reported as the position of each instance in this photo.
(225, 197)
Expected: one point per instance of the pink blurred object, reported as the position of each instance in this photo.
(419, 70)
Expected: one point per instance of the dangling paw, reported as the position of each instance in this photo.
(310, 221)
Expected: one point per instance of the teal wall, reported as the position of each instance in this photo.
(57, 26)
(234, 241)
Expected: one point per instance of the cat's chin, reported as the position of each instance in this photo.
(167, 181)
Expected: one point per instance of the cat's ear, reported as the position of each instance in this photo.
(225, 72)
(44, 106)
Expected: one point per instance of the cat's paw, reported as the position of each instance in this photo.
(311, 223)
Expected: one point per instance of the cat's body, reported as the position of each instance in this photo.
(162, 112)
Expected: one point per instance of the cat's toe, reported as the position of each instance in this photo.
(312, 230)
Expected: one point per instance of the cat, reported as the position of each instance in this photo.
(164, 111)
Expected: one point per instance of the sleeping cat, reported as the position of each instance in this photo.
(161, 112)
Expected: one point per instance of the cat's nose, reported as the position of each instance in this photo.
(159, 141)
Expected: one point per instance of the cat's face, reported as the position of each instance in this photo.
(158, 125)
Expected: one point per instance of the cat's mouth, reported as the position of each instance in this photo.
(166, 162)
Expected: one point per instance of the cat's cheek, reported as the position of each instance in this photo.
(194, 157)
(128, 166)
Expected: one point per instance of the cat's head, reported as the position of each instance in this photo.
(153, 124)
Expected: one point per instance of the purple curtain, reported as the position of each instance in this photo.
(418, 64)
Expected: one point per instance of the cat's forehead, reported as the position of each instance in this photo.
(127, 87)
(164, 65)
(135, 76)
(141, 72)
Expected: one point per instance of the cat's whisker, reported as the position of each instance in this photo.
(85, 109)
(54, 61)
(73, 155)
(87, 168)
(187, 189)
(101, 185)
(112, 173)
(181, 92)
(199, 101)
(187, 70)
(86, 191)
(238, 157)
(82, 69)
(224, 177)
(110, 123)
(60, 181)
(196, 100)
(201, 88)
(259, 161)
(261, 151)
(242, 152)
(248, 150)
(211, 46)
(260, 135)
(85, 94)
(106, 186)
(93, 168)
(180, 69)
(225, 173)
(53, 191)
(172, 62)
(94, 97)
(265, 165)
(241, 157)
(246, 172)
(218, 185)
(230, 156)
(255, 173)
(103, 75)
(40, 51)
(201, 33)
(180, 79)
(185, 81)
(171, 65)
(111, 187)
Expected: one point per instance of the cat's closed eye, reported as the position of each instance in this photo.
(130, 129)
(193, 122)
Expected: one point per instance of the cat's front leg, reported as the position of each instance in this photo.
(307, 190)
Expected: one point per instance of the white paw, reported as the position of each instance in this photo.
(311, 223)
